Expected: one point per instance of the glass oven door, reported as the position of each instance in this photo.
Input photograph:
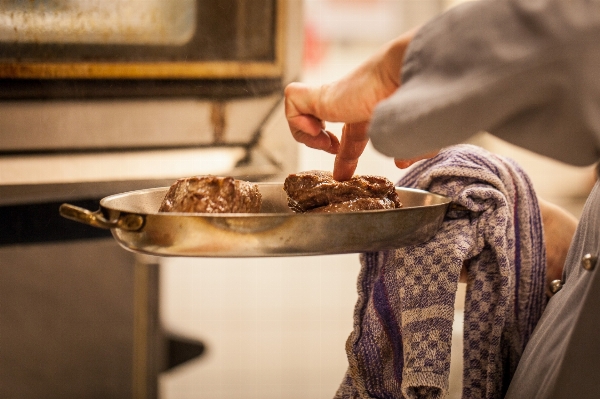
(131, 40)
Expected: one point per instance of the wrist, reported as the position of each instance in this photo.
(393, 57)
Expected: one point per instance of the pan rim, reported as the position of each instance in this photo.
(439, 201)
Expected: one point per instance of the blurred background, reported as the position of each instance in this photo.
(95, 102)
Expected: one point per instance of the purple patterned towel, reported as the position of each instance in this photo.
(400, 344)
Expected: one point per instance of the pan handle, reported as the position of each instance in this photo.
(129, 222)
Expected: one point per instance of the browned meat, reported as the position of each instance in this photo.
(211, 194)
(316, 189)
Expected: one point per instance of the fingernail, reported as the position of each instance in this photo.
(323, 132)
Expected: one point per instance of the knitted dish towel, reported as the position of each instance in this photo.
(400, 344)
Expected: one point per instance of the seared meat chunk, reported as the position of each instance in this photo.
(211, 194)
(315, 189)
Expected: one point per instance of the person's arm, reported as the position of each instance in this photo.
(525, 71)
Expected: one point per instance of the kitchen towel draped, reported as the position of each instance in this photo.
(401, 340)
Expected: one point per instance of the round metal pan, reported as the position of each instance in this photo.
(275, 231)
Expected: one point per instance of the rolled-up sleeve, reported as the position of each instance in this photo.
(526, 71)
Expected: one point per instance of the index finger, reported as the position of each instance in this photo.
(353, 143)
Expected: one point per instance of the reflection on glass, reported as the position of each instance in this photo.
(167, 22)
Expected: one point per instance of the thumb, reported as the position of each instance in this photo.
(405, 163)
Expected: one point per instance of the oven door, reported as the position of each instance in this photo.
(132, 48)
(140, 90)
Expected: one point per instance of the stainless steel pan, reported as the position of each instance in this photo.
(276, 231)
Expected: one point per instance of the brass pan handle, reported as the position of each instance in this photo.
(129, 222)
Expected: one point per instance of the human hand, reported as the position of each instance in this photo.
(405, 163)
(350, 100)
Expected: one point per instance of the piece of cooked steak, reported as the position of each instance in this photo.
(212, 194)
(315, 189)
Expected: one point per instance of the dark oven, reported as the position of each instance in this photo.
(104, 97)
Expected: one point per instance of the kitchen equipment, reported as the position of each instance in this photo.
(140, 46)
(276, 231)
(101, 83)
(105, 97)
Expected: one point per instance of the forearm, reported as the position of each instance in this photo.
(559, 229)
(391, 59)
